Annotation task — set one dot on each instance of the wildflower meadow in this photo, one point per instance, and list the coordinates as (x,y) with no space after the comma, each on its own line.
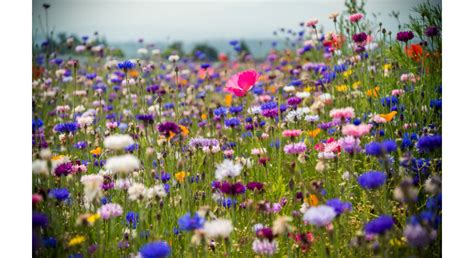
(328,146)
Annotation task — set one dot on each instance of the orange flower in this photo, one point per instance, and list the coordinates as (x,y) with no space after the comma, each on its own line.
(414,51)
(133,73)
(97,151)
(314,133)
(373,92)
(204,116)
(184,130)
(388,117)
(312,200)
(180,176)
(228,100)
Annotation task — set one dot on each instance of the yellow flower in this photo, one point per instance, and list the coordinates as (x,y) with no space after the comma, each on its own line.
(58,157)
(204,116)
(356,85)
(388,117)
(76,240)
(92,218)
(97,151)
(228,100)
(180,176)
(342,88)
(312,200)
(347,73)
(314,133)
(387,66)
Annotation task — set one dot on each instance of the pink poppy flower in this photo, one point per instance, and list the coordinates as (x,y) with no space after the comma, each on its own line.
(239,84)
(356,17)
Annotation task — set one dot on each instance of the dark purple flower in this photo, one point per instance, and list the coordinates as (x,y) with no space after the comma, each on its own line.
(167,128)
(359,37)
(405,36)
(432,31)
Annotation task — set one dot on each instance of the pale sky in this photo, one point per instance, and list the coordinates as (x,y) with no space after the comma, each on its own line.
(193,20)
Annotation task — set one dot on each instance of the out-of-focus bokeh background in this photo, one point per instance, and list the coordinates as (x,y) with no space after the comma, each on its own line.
(214,22)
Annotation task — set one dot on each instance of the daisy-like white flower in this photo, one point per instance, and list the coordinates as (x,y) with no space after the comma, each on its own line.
(122,164)
(218,228)
(118,141)
(228,169)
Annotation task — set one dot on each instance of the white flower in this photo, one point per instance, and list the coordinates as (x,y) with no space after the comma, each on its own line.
(320,216)
(218,228)
(122,164)
(155,109)
(40,167)
(136,191)
(254,110)
(92,188)
(173,58)
(311,118)
(156,191)
(79,108)
(118,141)
(84,121)
(142,51)
(228,169)
(155,52)
(45,154)
(303,95)
(289,88)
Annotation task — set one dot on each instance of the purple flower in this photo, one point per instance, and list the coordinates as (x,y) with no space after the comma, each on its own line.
(405,36)
(167,128)
(359,37)
(432,31)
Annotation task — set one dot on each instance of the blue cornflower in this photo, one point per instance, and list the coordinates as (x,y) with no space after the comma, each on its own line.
(50,242)
(188,222)
(68,127)
(233,42)
(406,141)
(339,206)
(372,179)
(389,101)
(40,219)
(91,76)
(126,65)
(257,90)
(436,103)
(379,225)
(232,122)
(429,143)
(228,202)
(80,145)
(235,109)
(340,68)
(269,105)
(169,105)
(37,123)
(296,83)
(123,127)
(132,218)
(380,148)
(59,194)
(220,111)
(157,249)
(132,147)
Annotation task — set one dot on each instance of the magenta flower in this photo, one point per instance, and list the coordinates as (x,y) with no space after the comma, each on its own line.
(239,84)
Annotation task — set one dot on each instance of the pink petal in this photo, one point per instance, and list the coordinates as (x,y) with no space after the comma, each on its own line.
(247,79)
